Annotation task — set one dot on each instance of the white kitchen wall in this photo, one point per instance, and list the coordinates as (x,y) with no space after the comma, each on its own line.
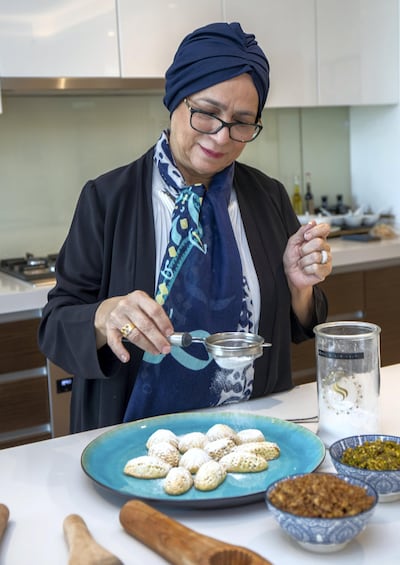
(375,162)
(50,146)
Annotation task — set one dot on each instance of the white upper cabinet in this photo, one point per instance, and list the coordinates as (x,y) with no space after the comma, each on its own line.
(151,31)
(58,38)
(285,29)
(321,52)
(358,51)
(325,52)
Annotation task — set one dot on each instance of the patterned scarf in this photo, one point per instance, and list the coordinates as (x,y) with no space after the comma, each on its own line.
(202,289)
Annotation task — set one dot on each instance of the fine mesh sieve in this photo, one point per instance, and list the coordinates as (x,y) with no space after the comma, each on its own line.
(230,350)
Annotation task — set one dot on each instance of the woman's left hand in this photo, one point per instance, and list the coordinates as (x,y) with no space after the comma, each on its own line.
(307,259)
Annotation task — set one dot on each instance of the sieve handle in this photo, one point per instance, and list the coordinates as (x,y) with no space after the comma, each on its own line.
(182,339)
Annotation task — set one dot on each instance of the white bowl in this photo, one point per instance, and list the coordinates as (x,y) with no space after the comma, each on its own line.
(338,220)
(319,218)
(353,220)
(370,219)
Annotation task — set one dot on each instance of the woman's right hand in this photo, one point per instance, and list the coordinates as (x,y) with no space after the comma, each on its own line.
(150,324)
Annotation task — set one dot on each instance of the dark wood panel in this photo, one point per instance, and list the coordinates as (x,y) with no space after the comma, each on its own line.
(24,404)
(345,293)
(374,294)
(383,308)
(303,362)
(19,348)
(346,301)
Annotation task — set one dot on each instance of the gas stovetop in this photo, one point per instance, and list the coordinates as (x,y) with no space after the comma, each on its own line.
(37,270)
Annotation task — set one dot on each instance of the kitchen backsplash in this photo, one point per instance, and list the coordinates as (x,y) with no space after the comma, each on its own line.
(50,146)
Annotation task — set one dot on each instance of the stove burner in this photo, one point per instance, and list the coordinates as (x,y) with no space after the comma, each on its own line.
(30,268)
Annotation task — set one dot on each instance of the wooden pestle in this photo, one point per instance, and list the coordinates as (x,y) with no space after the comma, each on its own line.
(84,550)
(4,515)
(177,543)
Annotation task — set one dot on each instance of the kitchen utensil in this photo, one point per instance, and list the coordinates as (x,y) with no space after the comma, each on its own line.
(324,212)
(179,544)
(230,350)
(84,550)
(4,515)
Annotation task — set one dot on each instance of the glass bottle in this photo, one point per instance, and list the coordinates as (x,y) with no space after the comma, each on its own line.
(297,201)
(323,209)
(309,197)
(341,208)
(324,202)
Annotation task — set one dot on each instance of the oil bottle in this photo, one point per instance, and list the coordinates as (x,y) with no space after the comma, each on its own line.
(309,197)
(297,201)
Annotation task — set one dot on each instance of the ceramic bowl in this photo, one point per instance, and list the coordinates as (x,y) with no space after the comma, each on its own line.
(386,483)
(337,220)
(319,218)
(370,219)
(322,535)
(353,220)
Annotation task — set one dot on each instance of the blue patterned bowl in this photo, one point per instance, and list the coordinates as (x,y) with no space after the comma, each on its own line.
(322,535)
(386,483)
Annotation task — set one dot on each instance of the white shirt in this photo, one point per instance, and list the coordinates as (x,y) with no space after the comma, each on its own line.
(163,206)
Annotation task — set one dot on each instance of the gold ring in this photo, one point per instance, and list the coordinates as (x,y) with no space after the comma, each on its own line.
(127,329)
(324,257)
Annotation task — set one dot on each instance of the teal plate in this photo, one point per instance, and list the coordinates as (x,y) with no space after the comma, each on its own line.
(103,460)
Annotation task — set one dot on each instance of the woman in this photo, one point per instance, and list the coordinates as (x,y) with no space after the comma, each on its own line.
(185,239)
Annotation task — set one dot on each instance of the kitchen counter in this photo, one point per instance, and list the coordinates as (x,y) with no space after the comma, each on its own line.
(351,255)
(42,483)
(18,296)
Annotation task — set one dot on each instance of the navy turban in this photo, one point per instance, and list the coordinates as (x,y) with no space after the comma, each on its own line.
(212,54)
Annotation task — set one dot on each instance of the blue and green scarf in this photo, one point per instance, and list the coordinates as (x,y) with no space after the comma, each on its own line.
(202,288)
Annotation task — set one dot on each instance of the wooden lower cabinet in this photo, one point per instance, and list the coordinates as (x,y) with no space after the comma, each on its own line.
(19,349)
(370,295)
(24,404)
(382,307)
(24,392)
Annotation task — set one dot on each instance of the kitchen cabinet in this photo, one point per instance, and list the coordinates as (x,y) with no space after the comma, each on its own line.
(382,306)
(58,39)
(370,295)
(325,52)
(149,34)
(285,31)
(24,395)
(358,60)
(34,394)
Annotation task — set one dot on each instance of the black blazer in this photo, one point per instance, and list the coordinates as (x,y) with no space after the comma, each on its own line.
(110,251)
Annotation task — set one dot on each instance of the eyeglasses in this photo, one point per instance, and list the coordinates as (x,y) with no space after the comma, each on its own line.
(205,122)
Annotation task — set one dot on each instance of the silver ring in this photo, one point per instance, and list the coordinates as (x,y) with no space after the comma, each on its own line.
(324,257)
(127,329)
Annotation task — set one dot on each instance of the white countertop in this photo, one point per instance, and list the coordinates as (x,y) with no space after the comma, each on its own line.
(18,296)
(42,483)
(347,254)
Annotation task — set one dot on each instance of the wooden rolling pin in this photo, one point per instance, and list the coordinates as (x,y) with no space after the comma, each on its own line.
(83,549)
(179,544)
(4,515)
